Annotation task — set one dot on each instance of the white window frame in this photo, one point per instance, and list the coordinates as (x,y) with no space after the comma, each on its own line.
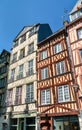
(57,48)
(12,73)
(18,99)
(45,97)
(30,65)
(30,92)
(21,69)
(31,48)
(9,97)
(60,67)
(43,54)
(63,93)
(44,73)
(79,33)
(15,56)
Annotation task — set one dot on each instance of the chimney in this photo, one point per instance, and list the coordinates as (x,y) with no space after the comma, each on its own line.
(65,23)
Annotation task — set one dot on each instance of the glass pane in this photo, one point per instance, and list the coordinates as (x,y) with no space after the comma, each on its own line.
(30,121)
(30,127)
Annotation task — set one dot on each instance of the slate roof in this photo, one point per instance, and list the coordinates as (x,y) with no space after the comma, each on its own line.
(79,3)
(24,30)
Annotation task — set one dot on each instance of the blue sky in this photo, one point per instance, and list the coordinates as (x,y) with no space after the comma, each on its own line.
(15,14)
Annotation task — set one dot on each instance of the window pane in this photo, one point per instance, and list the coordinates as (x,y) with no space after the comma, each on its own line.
(60,67)
(57,48)
(9,97)
(45,97)
(79,32)
(30,48)
(29,92)
(44,54)
(44,73)
(63,93)
(18,95)
(81,53)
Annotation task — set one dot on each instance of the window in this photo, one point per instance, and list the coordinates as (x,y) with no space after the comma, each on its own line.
(32,31)
(29,93)
(18,95)
(20,74)
(75,15)
(22,53)
(30,48)
(2,82)
(23,38)
(14,57)
(45,97)
(81,53)
(57,48)
(16,43)
(9,97)
(44,54)
(31,123)
(3,69)
(60,67)
(44,73)
(30,68)
(63,93)
(79,33)
(3,59)
(12,75)
(13,125)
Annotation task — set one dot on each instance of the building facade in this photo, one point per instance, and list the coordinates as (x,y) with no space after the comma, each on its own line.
(75,40)
(4,65)
(58,108)
(21,110)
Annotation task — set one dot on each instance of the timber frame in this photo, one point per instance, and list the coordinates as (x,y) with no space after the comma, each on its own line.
(54,81)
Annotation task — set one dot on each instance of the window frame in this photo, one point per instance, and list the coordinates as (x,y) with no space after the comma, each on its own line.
(30,65)
(61,98)
(57,48)
(45,97)
(43,54)
(79,35)
(80,51)
(31,48)
(18,98)
(12,73)
(59,66)
(30,92)
(44,73)
(9,97)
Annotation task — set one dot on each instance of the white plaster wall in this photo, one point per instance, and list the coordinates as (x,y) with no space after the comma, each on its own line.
(26,79)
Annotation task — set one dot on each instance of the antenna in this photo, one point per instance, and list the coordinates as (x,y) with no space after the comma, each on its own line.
(64,17)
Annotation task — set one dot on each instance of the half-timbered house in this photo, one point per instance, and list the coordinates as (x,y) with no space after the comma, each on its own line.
(58,107)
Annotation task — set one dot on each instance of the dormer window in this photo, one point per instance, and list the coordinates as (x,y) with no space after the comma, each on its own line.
(15,43)
(32,31)
(75,15)
(23,38)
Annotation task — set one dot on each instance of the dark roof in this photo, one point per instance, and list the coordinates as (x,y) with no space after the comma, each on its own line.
(59,31)
(24,30)
(4,51)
